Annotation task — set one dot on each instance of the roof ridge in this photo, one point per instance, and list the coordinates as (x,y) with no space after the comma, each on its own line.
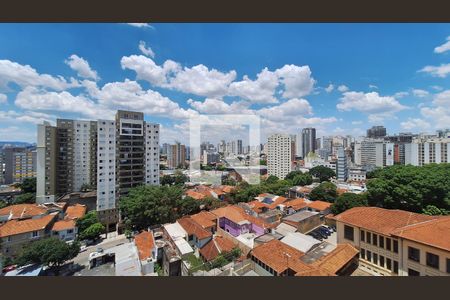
(420,224)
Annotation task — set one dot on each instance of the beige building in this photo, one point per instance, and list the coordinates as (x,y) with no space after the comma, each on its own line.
(396,242)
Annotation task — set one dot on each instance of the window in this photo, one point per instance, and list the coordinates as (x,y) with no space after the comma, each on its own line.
(374,239)
(348,232)
(34,234)
(363,233)
(413,253)
(368,238)
(448,265)
(388,263)
(381,242)
(412,272)
(432,260)
(381,261)
(388,244)
(395,267)
(375,258)
(369,255)
(362,253)
(395,246)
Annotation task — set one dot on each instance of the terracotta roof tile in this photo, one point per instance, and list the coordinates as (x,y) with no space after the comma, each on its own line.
(205,219)
(195,195)
(23,210)
(296,204)
(319,205)
(384,221)
(434,232)
(194,228)
(335,260)
(13,227)
(237,215)
(145,243)
(76,211)
(63,225)
(216,246)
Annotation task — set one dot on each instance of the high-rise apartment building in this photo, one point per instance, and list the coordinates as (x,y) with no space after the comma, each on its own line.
(309,141)
(279,155)
(239,147)
(2,167)
(299,145)
(376,132)
(341,165)
(424,151)
(176,155)
(18,163)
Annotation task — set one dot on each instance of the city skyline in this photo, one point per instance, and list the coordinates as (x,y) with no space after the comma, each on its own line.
(338,78)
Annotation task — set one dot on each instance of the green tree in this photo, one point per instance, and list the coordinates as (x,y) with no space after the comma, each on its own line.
(85,187)
(51,252)
(229,181)
(347,201)
(302,179)
(322,172)
(93,232)
(271,179)
(263,162)
(28,185)
(24,198)
(326,191)
(87,220)
(3,204)
(180,178)
(291,175)
(432,210)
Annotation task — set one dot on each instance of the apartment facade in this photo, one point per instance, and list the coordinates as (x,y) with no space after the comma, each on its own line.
(424,151)
(279,155)
(341,165)
(309,141)
(395,242)
(176,155)
(19,163)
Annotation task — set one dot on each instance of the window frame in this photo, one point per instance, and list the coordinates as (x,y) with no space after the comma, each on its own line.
(413,254)
(346,232)
(428,255)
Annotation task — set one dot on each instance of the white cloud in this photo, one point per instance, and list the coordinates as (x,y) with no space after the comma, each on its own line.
(437,87)
(329,88)
(3,98)
(147,69)
(141,25)
(420,93)
(25,76)
(81,66)
(439,112)
(357,122)
(146,50)
(415,123)
(260,90)
(399,95)
(290,109)
(444,47)
(371,86)
(199,80)
(371,103)
(297,80)
(216,106)
(32,117)
(16,133)
(437,71)
(342,88)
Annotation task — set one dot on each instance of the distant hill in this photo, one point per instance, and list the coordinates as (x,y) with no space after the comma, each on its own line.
(15,144)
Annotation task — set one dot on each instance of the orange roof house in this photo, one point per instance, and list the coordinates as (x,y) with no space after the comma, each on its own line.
(14,227)
(193,228)
(63,225)
(76,211)
(145,243)
(215,247)
(296,204)
(319,205)
(205,219)
(19,211)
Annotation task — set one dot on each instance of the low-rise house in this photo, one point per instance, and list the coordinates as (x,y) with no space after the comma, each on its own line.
(396,242)
(214,247)
(22,211)
(206,220)
(196,236)
(284,229)
(300,241)
(322,207)
(304,221)
(16,233)
(295,205)
(65,230)
(147,251)
(75,212)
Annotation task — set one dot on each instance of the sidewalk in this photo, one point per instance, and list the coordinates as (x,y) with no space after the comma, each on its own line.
(112,236)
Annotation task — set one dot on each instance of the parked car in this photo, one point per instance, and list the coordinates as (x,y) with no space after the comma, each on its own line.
(321,233)
(326,230)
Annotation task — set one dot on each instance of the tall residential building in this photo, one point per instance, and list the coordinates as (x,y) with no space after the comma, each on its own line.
(239,147)
(299,145)
(165,148)
(47,147)
(19,163)
(318,143)
(372,153)
(424,151)
(309,141)
(376,132)
(341,165)
(176,155)
(279,155)
(2,167)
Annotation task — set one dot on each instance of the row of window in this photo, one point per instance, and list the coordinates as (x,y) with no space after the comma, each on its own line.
(379,241)
(379,260)
(432,260)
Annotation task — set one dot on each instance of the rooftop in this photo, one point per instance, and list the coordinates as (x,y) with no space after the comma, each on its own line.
(145,243)
(14,227)
(319,205)
(193,228)
(300,216)
(205,219)
(63,225)
(76,211)
(216,246)
(300,241)
(23,210)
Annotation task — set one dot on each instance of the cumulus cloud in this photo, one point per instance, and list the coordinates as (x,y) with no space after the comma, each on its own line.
(342,88)
(371,86)
(3,98)
(146,50)
(260,90)
(292,108)
(82,67)
(25,76)
(420,93)
(141,25)
(297,80)
(415,123)
(17,133)
(439,112)
(371,103)
(329,88)
(399,95)
(437,71)
(32,117)
(444,47)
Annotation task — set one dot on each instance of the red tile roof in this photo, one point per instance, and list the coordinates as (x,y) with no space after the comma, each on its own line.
(238,215)
(296,204)
(145,243)
(193,228)
(205,219)
(384,221)
(319,205)
(23,210)
(435,233)
(216,246)
(195,195)
(63,225)
(76,211)
(14,227)
(336,259)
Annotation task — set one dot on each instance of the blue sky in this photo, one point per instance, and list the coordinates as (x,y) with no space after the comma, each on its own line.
(339,78)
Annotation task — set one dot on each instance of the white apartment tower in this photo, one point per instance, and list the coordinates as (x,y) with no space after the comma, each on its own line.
(279,155)
(424,151)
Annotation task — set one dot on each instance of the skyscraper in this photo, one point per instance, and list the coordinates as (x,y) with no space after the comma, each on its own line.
(279,155)
(239,147)
(376,132)
(341,165)
(176,155)
(309,141)
(19,163)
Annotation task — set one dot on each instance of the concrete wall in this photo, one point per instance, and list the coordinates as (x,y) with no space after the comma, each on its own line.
(244,248)
(12,247)
(309,223)
(422,265)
